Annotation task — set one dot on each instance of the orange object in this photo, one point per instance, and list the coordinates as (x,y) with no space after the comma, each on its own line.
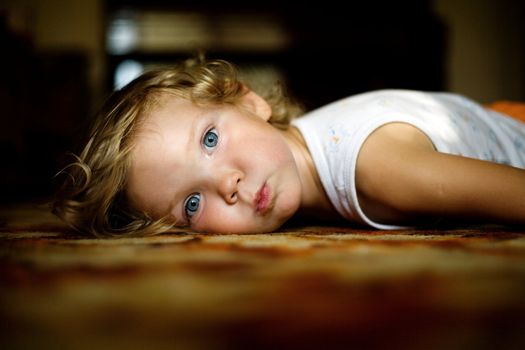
(510,108)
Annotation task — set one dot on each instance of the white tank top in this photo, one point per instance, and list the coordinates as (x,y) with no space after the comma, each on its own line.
(456,125)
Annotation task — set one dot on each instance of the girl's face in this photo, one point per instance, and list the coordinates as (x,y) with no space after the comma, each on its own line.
(221,169)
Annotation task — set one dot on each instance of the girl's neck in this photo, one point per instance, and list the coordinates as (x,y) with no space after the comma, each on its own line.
(314,200)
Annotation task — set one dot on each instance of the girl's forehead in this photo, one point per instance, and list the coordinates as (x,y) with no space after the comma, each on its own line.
(169,102)
(171,107)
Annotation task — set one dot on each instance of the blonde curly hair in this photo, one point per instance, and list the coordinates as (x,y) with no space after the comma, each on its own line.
(92,196)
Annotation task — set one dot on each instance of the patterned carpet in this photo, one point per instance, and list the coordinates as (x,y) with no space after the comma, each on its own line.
(303,288)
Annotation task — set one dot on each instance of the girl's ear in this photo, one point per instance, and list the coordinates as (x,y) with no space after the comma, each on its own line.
(256,104)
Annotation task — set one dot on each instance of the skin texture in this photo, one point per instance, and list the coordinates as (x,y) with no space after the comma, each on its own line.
(172,161)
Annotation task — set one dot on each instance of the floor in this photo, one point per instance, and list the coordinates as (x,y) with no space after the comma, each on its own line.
(302,288)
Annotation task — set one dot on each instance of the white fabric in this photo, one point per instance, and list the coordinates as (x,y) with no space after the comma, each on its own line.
(456,125)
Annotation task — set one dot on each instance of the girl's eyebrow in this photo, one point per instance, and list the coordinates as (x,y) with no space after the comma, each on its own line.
(191,138)
(195,128)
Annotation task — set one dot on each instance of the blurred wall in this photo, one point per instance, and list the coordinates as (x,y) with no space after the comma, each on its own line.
(485,58)
(485,54)
(486,47)
(73,25)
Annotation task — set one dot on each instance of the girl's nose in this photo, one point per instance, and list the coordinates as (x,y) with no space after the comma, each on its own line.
(228,184)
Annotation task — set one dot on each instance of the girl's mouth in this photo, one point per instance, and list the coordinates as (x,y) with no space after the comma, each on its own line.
(263,199)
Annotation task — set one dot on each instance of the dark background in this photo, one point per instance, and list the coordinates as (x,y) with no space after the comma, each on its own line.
(56,71)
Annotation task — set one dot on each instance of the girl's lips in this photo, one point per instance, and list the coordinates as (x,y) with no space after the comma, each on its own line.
(263,199)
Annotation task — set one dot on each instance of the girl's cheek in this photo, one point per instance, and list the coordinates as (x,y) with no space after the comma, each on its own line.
(214,219)
(202,219)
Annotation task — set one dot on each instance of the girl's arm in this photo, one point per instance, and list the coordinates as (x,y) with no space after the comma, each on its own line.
(399,172)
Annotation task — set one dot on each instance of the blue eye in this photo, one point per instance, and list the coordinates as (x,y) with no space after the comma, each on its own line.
(191,206)
(211,138)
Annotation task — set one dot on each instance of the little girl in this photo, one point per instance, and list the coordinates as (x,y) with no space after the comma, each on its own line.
(193,148)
